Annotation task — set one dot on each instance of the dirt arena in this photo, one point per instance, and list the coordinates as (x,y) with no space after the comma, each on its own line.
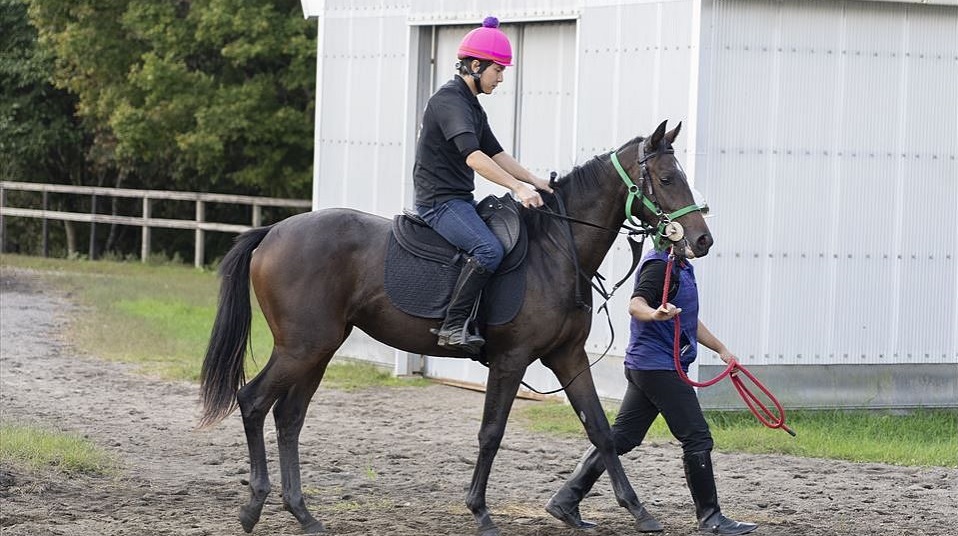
(379,462)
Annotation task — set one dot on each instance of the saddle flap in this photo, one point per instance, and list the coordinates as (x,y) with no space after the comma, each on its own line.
(416,237)
(501,214)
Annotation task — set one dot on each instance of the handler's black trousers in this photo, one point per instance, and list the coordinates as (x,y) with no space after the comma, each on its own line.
(651,392)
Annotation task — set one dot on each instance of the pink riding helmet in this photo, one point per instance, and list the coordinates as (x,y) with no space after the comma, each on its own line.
(487,43)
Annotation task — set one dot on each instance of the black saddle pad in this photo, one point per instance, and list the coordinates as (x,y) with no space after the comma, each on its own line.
(421,270)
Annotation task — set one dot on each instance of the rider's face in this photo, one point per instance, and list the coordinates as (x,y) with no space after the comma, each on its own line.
(490,78)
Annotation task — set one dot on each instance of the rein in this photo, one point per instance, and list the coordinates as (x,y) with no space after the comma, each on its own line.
(758,409)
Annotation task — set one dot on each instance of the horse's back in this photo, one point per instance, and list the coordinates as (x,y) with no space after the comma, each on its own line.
(313,236)
(324,255)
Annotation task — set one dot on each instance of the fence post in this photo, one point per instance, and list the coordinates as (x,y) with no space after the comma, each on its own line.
(46,231)
(93,228)
(199,246)
(145,231)
(257,215)
(3,222)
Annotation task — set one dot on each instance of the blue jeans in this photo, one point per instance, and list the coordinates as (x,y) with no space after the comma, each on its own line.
(456,221)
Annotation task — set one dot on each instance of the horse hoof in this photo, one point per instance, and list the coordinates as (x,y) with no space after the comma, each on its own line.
(644,522)
(489,531)
(248,518)
(314,527)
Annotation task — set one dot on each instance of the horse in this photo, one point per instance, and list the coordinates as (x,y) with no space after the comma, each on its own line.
(317,275)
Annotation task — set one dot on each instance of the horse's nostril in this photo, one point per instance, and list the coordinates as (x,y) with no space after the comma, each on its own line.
(705,241)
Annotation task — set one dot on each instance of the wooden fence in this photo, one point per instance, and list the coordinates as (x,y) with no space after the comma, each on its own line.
(199,225)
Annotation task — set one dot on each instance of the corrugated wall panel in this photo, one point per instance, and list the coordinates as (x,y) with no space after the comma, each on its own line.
(827,151)
(437,12)
(640,55)
(362,115)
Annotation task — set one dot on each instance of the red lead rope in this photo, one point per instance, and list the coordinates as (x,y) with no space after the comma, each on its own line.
(761,412)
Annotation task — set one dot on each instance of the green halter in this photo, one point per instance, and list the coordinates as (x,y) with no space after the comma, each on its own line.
(636,192)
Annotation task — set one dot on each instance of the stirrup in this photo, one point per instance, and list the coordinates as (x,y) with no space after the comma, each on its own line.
(459,339)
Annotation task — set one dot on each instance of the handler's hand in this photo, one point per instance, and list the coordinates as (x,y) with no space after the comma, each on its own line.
(666,311)
(528,197)
(727,356)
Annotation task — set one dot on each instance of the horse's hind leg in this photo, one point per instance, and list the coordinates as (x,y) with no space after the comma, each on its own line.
(290,413)
(255,399)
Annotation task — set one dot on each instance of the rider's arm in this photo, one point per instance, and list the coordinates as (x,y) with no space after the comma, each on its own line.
(490,170)
(514,168)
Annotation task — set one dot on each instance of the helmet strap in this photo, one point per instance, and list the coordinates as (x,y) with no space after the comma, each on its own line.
(466,66)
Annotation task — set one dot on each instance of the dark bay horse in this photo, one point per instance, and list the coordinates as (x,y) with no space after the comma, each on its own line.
(319,274)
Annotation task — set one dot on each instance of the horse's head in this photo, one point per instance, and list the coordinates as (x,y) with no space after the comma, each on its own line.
(660,195)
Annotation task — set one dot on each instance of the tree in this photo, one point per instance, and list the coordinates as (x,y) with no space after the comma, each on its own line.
(201,95)
(41,139)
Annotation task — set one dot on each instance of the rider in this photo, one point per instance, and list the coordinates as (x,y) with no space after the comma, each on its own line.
(655,387)
(455,142)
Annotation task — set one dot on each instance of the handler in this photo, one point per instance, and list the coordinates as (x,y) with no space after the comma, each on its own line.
(655,387)
(454,142)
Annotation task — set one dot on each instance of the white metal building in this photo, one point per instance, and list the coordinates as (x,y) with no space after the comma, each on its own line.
(824,134)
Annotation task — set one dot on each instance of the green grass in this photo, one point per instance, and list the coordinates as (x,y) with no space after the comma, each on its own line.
(158,317)
(350,375)
(40,449)
(920,437)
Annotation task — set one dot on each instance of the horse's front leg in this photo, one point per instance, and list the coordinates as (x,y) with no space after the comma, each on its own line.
(585,401)
(501,387)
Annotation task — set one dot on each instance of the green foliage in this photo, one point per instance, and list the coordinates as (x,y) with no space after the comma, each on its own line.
(40,139)
(209,94)
(206,95)
(920,437)
(37,448)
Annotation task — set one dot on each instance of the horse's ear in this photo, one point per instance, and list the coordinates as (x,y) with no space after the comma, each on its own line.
(672,134)
(656,138)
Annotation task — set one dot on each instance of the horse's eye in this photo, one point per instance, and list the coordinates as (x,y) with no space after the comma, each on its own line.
(665,179)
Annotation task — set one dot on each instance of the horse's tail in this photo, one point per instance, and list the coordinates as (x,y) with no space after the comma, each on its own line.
(222,374)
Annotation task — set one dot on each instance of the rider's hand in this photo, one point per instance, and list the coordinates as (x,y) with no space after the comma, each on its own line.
(666,311)
(528,197)
(541,184)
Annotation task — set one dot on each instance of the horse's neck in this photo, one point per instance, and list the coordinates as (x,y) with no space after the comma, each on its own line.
(605,210)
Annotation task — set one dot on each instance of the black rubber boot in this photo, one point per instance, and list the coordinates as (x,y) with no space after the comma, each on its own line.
(701,481)
(564,505)
(455,333)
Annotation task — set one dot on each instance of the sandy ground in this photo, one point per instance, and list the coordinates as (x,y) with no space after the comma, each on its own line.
(376,461)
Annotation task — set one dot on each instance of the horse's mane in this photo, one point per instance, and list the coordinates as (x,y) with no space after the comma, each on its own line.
(578,183)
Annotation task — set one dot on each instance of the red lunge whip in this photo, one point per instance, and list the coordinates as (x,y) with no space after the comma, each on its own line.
(733,370)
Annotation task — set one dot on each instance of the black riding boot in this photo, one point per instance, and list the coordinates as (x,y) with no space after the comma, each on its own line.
(564,505)
(454,332)
(701,481)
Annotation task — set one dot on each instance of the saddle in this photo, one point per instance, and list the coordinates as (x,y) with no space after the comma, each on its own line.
(422,267)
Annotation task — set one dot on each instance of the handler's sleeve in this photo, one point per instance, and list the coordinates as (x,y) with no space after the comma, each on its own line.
(649,282)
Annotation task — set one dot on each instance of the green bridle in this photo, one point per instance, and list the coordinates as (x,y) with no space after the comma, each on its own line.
(635,192)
